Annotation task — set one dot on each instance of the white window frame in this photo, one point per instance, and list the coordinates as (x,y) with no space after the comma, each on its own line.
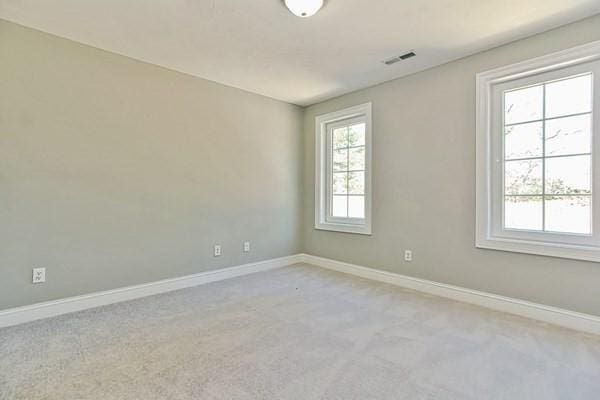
(323,124)
(490,233)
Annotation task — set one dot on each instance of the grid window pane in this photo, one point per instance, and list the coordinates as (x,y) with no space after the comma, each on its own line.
(523,212)
(524,105)
(340,138)
(569,214)
(523,177)
(559,145)
(356,206)
(570,135)
(569,96)
(568,175)
(340,183)
(340,160)
(356,183)
(348,171)
(339,206)
(523,140)
(357,159)
(356,135)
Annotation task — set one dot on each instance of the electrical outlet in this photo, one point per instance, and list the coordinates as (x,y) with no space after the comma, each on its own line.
(217,250)
(39,275)
(246,247)
(408,255)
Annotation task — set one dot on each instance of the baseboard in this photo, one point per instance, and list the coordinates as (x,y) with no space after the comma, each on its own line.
(19,315)
(553,315)
(557,316)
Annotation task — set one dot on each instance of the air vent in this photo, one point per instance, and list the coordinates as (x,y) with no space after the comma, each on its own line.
(394,60)
(407,55)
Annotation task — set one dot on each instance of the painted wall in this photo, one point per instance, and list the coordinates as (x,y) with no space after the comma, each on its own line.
(424,184)
(115,172)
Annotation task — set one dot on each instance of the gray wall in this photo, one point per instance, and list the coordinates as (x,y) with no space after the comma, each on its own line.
(114,172)
(424,184)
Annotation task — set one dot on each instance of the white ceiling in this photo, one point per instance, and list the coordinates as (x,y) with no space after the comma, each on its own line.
(257,45)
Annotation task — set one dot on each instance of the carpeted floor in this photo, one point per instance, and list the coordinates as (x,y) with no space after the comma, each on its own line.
(295,333)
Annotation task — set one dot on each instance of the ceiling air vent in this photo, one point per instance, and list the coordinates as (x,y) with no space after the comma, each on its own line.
(407,55)
(394,60)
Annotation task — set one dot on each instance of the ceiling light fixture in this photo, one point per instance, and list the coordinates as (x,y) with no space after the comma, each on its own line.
(304,8)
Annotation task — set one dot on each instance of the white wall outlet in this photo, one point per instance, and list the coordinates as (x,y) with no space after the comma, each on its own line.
(217,250)
(246,247)
(408,255)
(39,275)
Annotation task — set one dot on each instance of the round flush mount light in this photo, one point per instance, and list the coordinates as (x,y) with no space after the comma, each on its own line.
(304,8)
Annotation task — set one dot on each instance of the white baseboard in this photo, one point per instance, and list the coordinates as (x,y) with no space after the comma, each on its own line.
(557,316)
(553,315)
(19,315)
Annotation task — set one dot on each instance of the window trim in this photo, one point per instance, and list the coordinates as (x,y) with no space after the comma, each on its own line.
(322,178)
(487,235)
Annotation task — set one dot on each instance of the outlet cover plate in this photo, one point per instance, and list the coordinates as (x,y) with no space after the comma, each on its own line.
(39,275)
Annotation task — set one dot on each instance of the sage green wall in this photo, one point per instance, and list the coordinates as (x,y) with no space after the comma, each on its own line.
(114,172)
(424,184)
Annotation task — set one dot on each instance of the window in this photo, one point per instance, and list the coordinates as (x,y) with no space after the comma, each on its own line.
(537,155)
(343,170)
(548,156)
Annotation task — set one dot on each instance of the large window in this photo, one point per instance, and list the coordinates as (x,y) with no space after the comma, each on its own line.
(537,155)
(343,170)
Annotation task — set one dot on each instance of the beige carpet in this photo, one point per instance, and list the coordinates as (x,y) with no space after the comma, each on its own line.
(296,333)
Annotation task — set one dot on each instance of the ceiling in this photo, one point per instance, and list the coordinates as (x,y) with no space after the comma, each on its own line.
(257,45)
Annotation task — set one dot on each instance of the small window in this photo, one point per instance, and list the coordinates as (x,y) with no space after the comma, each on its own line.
(343,183)
(537,156)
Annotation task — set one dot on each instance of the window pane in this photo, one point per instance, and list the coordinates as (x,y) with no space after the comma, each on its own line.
(340,183)
(357,159)
(340,160)
(356,206)
(340,138)
(523,177)
(569,135)
(568,175)
(523,212)
(339,206)
(356,183)
(569,96)
(523,105)
(356,136)
(524,140)
(569,214)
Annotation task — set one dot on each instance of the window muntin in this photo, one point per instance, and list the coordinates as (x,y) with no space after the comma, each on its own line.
(343,170)
(548,156)
(347,155)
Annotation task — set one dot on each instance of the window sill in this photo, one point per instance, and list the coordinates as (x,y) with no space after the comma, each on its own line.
(561,250)
(345,228)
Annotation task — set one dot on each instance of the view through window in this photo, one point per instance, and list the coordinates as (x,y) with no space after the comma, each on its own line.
(548,156)
(348,171)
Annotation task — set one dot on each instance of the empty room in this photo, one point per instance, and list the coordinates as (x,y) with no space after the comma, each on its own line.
(299,199)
